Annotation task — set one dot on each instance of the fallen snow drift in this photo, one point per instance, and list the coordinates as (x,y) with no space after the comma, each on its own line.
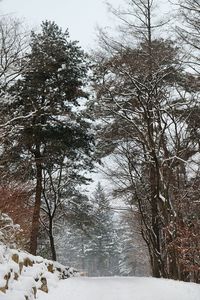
(22,275)
(125,288)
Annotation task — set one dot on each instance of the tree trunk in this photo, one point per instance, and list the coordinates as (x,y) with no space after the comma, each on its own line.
(52,243)
(36,212)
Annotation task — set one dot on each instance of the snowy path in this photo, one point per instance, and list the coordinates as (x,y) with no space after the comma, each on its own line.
(116,288)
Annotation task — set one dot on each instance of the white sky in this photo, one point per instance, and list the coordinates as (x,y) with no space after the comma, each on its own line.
(80,16)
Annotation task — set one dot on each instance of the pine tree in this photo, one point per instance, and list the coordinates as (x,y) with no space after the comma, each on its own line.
(73,229)
(133,254)
(43,112)
(101,249)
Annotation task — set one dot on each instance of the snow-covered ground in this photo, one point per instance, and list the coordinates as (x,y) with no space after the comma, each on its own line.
(22,275)
(125,288)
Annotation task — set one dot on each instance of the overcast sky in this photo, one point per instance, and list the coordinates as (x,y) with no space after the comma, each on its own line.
(80,16)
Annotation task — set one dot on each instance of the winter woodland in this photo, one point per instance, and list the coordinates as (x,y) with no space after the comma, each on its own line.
(130,110)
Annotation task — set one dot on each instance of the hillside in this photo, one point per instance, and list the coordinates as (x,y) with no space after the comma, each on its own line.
(22,275)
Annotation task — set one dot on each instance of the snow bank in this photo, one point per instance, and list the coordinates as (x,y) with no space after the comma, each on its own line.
(22,275)
(125,288)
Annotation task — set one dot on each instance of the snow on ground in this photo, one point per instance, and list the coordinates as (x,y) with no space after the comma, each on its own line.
(124,288)
(22,275)
(27,277)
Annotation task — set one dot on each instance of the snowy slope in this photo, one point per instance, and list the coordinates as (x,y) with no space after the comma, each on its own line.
(22,275)
(126,288)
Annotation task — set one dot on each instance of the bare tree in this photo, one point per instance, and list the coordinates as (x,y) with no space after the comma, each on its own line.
(56,182)
(13,47)
(140,92)
(13,44)
(189,31)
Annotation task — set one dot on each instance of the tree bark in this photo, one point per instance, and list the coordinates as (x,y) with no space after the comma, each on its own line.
(36,212)
(52,243)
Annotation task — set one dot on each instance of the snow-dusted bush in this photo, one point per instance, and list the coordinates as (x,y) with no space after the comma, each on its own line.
(10,233)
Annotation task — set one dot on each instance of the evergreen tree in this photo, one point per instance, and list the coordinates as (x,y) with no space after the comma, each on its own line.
(88,238)
(133,254)
(73,229)
(67,219)
(44,112)
(101,249)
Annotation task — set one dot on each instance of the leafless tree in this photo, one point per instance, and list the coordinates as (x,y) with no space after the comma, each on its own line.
(140,92)
(13,44)
(55,182)
(189,31)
